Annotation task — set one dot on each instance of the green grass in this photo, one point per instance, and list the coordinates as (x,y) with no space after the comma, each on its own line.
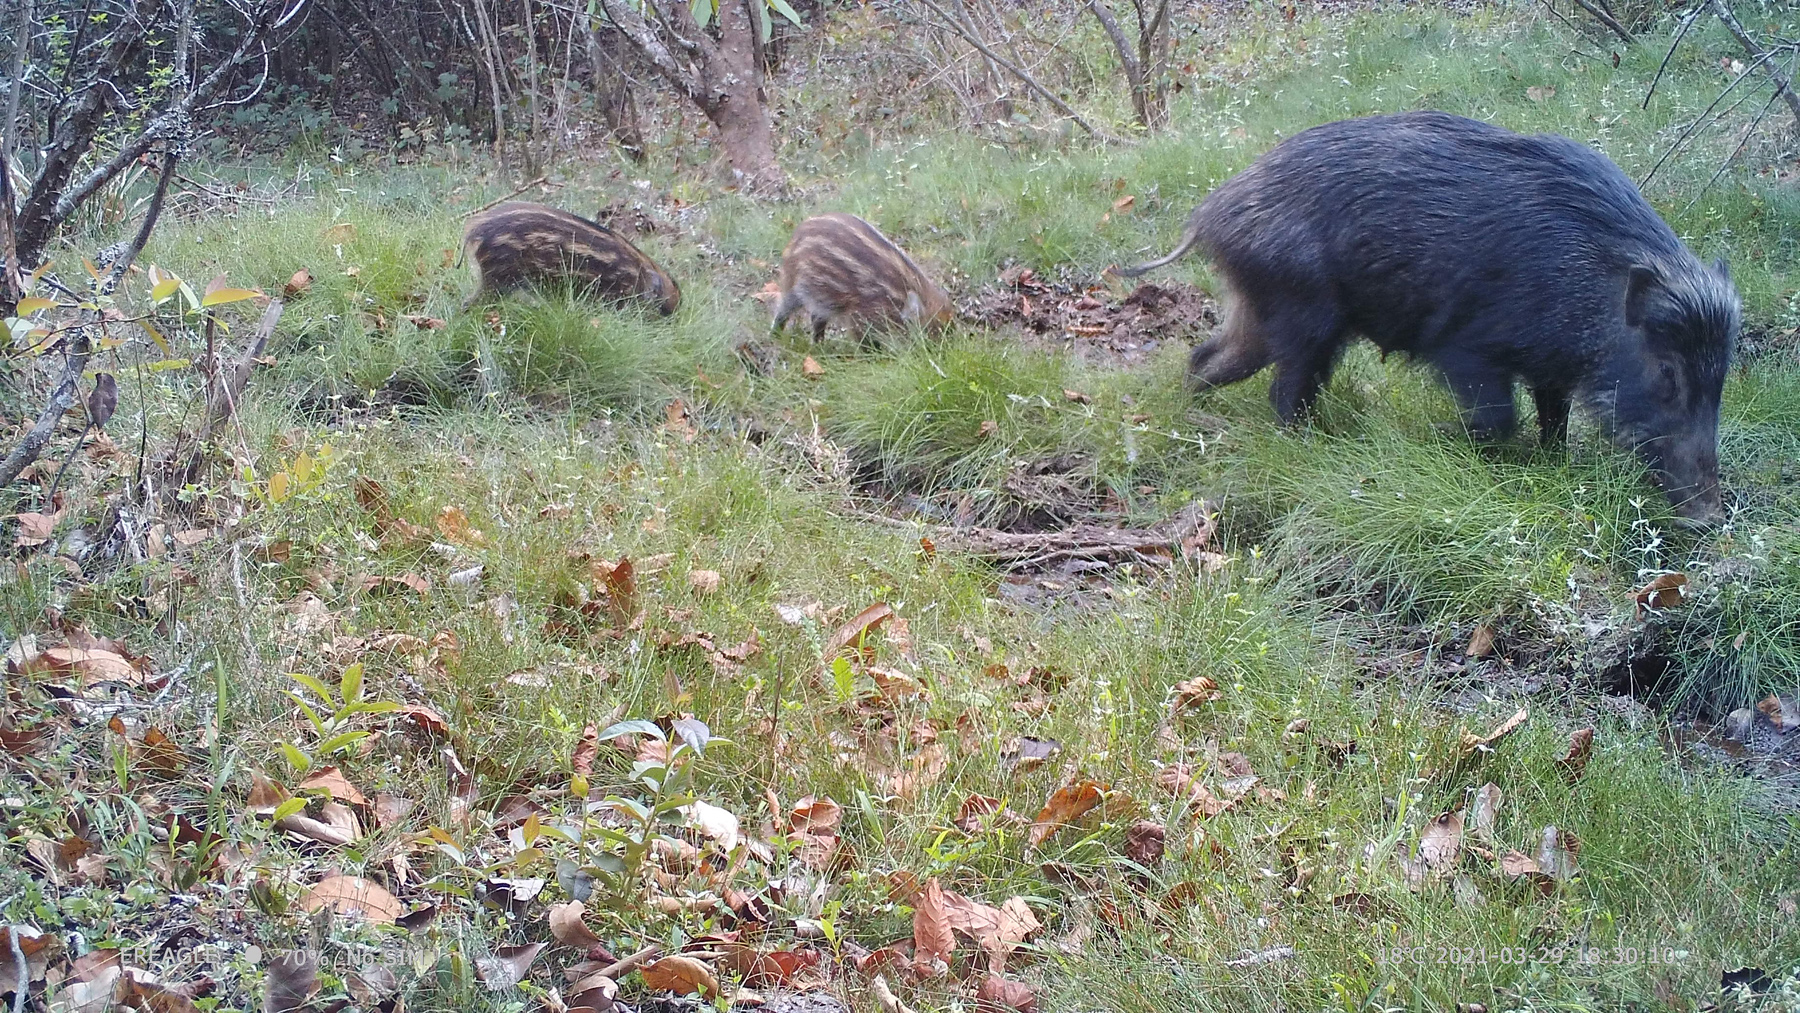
(1376,531)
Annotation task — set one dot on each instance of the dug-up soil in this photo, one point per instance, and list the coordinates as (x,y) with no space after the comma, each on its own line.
(1098,323)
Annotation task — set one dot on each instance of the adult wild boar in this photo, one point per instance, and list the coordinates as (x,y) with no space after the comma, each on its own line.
(840,269)
(520,244)
(1491,255)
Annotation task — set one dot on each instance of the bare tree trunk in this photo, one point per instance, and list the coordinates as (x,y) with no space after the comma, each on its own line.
(1145,68)
(613,94)
(741,111)
(1153,63)
(720,77)
(21,45)
(535,129)
(491,59)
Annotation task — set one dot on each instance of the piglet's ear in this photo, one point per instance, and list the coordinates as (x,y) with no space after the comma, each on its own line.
(1638,286)
(914,310)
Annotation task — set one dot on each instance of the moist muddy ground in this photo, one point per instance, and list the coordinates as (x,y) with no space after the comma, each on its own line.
(1100,323)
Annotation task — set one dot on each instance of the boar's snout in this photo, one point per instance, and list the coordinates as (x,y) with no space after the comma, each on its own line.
(1689,473)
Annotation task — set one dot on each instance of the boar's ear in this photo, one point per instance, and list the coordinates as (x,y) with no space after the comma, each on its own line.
(1637,292)
(1722,269)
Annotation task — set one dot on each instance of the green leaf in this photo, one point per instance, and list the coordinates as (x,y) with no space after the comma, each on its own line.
(342,741)
(637,727)
(163,365)
(842,675)
(370,707)
(312,716)
(164,289)
(289,808)
(187,292)
(219,297)
(350,687)
(782,8)
(31,304)
(156,336)
(295,758)
(703,12)
(313,684)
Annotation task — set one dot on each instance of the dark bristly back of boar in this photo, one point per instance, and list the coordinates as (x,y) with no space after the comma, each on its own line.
(840,269)
(518,245)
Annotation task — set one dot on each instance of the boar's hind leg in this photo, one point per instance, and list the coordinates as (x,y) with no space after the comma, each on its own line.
(1304,339)
(1235,352)
(1552,415)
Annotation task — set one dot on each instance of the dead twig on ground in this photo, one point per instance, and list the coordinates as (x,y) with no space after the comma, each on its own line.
(1186,530)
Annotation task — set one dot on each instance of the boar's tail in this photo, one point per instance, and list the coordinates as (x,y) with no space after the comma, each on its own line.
(1189,238)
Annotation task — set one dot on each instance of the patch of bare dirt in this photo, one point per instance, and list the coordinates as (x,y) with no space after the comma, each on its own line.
(1091,320)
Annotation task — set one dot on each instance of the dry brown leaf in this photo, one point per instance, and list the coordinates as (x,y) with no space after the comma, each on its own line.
(332,781)
(35,528)
(1581,749)
(265,795)
(1556,854)
(1540,93)
(1178,779)
(1472,744)
(1194,692)
(336,827)
(811,369)
(1485,813)
(681,975)
(884,995)
(704,581)
(677,423)
(975,811)
(454,525)
(92,664)
(1440,842)
(865,622)
(1515,864)
(814,822)
(1144,843)
(508,966)
(1076,396)
(1065,805)
(391,810)
(1481,642)
(350,895)
(581,761)
(933,938)
(297,284)
(568,927)
(289,980)
(1665,592)
(1000,995)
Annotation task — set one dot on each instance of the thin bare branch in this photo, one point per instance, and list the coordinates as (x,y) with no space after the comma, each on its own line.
(1783,87)
(950,23)
(1601,15)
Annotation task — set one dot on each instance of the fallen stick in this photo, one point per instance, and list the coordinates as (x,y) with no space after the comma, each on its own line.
(1190,527)
(501,200)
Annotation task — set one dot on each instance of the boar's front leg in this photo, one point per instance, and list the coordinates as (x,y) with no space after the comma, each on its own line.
(1485,395)
(1552,414)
